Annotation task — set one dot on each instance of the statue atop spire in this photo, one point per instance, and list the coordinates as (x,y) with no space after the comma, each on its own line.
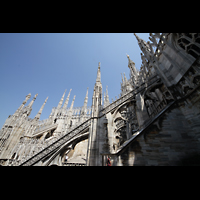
(98,74)
(31,103)
(133,70)
(27,98)
(27,110)
(23,103)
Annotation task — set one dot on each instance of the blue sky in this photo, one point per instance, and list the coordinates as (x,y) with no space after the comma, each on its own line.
(49,63)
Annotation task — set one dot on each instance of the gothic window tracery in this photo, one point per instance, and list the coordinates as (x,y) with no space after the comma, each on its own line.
(189,42)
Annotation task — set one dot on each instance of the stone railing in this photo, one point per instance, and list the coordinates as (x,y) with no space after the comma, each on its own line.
(56,144)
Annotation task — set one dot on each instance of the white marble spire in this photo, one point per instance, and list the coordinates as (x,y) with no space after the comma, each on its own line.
(31,103)
(61,101)
(98,74)
(72,104)
(37,117)
(106,101)
(84,108)
(24,102)
(67,100)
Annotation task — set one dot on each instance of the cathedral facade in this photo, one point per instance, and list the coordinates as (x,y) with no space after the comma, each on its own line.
(155,120)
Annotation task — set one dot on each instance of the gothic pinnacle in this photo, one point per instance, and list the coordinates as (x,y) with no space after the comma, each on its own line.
(27,98)
(86,97)
(138,39)
(31,103)
(142,44)
(67,100)
(98,74)
(85,103)
(37,117)
(131,66)
(72,104)
(106,98)
(122,79)
(125,79)
(61,100)
(24,102)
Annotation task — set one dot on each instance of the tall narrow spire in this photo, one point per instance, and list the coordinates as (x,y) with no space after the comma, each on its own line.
(72,104)
(67,100)
(142,44)
(129,60)
(133,70)
(122,79)
(37,117)
(23,103)
(106,101)
(31,103)
(106,91)
(98,74)
(86,98)
(85,103)
(27,98)
(61,100)
(125,79)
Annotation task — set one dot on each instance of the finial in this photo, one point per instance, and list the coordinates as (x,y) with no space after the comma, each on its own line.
(98,79)
(40,111)
(99,65)
(29,95)
(85,102)
(31,103)
(27,98)
(87,93)
(125,79)
(72,104)
(61,100)
(67,100)
(136,37)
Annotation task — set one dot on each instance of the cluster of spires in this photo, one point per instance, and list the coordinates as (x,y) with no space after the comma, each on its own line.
(146,48)
(72,104)
(148,56)
(37,117)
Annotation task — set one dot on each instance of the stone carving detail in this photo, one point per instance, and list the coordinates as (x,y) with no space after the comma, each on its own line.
(190,42)
(157,97)
(190,80)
